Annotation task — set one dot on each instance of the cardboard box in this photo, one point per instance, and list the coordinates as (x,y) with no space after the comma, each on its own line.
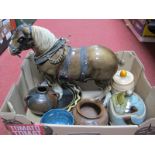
(19,120)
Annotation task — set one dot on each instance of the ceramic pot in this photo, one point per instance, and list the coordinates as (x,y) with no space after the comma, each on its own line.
(88,112)
(123,81)
(126,110)
(41,99)
(58,116)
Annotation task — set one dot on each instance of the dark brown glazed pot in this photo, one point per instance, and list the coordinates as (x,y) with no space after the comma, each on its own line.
(89,112)
(41,99)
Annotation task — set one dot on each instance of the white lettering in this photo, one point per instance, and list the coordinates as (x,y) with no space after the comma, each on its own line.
(21,128)
(37,128)
(35,132)
(25,130)
(17,132)
(12,127)
(29,128)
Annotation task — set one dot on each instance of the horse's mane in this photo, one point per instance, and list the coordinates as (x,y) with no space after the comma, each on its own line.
(43,38)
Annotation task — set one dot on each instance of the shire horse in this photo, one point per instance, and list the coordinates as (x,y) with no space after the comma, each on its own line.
(61,62)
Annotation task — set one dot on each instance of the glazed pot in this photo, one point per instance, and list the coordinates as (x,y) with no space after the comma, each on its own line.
(126,110)
(123,81)
(58,116)
(88,112)
(41,99)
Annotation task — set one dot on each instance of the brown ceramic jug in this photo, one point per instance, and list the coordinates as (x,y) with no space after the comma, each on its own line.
(41,99)
(88,112)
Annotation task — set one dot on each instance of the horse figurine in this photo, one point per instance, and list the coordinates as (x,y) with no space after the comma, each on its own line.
(61,62)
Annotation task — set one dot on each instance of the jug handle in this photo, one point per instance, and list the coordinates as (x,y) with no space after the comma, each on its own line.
(55,94)
(27,98)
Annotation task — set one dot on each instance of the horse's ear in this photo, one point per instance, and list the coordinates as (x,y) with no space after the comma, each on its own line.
(23,22)
(26,30)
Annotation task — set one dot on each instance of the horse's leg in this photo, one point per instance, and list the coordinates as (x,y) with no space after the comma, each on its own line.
(103,84)
(54,83)
(105,87)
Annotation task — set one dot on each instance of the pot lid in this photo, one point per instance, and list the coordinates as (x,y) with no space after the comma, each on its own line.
(123,77)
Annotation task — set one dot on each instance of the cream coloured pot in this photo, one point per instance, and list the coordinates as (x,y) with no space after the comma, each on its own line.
(123,81)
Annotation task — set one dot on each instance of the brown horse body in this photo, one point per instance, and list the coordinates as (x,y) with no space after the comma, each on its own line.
(101,65)
(93,62)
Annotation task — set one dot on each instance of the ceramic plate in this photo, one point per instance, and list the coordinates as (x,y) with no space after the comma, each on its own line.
(70,95)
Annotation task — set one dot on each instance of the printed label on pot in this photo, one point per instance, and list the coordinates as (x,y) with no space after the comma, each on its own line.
(25,129)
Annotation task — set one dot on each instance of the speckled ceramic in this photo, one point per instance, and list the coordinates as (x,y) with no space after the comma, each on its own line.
(41,99)
(58,116)
(88,112)
(126,110)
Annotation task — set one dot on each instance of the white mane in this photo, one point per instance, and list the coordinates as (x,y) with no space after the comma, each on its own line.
(43,38)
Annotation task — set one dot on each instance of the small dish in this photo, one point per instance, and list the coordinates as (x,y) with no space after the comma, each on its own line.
(57,116)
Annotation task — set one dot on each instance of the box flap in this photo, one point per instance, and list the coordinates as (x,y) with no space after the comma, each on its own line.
(4,107)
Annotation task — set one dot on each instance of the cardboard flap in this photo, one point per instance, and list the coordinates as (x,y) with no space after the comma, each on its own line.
(16,101)
(91,130)
(22,88)
(23,119)
(8,115)
(147,128)
(26,71)
(143,87)
(4,107)
(125,56)
(148,122)
(136,69)
(30,68)
(36,74)
(150,103)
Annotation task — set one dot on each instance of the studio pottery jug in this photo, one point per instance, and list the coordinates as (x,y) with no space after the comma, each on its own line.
(126,109)
(88,112)
(41,99)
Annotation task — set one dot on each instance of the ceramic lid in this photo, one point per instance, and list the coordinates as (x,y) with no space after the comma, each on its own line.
(123,77)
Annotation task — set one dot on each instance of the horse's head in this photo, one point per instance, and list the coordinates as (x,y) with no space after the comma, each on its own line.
(21,39)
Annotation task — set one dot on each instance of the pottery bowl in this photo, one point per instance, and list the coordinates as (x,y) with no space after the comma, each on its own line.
(88,112)
(58,116)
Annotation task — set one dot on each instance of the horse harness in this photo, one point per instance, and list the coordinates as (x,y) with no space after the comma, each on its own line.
(63,73)
(50,53)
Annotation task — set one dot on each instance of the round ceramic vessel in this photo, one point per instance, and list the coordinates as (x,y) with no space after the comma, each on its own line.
(88,112)
(58,116)
(123,83)
(132,110)
(41,99)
